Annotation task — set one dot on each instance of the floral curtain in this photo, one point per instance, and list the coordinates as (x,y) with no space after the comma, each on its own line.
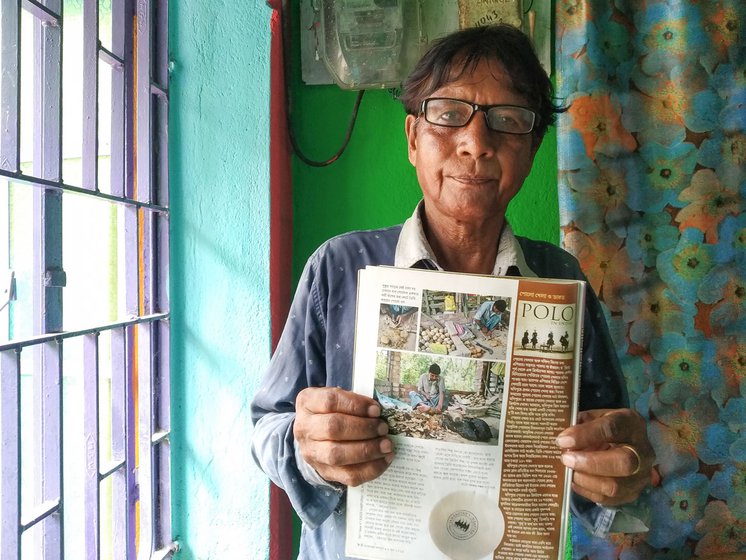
(652,173)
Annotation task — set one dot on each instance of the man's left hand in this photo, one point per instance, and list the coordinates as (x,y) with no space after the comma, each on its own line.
(610,455)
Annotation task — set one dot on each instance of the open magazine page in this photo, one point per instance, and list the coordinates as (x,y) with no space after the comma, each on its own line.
(476,474)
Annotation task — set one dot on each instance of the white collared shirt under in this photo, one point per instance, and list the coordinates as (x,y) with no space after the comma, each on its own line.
(414,247)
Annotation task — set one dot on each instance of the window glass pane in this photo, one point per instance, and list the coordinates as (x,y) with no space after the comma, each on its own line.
(112,425)
(28,71)
(74,452)
(5,277)
(106,528)
(72,79)
(160,151)
(163,492)
(32,540)
(106,456)
(29,474)
(90,253)
(104,127)
(20,234)
(72,92)
(104,24)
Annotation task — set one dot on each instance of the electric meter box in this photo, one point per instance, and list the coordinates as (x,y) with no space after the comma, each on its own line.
(371,44)
(366,42)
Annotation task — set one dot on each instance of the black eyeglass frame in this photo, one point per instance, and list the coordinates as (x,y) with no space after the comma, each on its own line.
(477,107)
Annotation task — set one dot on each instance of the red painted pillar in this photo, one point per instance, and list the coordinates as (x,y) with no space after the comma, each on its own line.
(280,250)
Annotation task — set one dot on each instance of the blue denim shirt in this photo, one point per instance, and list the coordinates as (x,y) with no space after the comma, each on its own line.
(315,350)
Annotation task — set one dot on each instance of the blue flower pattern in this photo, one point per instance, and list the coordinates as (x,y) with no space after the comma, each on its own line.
(661,128)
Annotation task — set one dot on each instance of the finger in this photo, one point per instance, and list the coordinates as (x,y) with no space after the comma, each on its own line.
(325,454)
(337,427)
(355,475)
(617,462)
(596,429)
(609,490)
(322,400)
(601,498)
(589,415)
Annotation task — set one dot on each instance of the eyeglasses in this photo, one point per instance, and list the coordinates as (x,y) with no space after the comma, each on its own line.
(443,111)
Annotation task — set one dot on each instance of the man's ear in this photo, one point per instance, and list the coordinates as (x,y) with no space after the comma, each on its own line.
(535,145)
(410,129)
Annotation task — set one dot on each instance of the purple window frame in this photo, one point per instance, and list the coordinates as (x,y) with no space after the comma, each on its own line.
(140,471)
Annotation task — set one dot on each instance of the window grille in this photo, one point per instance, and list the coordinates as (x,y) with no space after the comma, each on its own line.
(84,311)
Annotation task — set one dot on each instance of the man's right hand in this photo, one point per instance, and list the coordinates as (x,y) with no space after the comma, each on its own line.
(341,435)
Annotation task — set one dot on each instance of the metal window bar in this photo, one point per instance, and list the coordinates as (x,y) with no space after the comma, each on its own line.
(47,288)
(145,356)
(160,101)
(161,443)
(63,187)
(48,12)
(121,136)
(10,453)
(151,440)
(122,485)
(90,94)
(151,186)
(10,86)
(48,449)
(139,183)
(143,82)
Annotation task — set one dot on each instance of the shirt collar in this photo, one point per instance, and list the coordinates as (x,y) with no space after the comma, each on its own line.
(413,249)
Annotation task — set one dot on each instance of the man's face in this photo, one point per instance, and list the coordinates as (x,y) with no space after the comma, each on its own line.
(470,173)
(434,376)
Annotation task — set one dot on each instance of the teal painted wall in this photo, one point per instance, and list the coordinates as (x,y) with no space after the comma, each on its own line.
(219,168)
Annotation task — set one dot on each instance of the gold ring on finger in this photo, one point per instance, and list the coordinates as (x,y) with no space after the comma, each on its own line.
(636,454)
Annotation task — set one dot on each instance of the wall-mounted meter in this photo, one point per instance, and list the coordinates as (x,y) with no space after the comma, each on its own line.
(366,44)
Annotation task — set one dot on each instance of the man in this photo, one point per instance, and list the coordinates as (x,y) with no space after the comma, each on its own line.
(478,104)
(430,395)
(492,315)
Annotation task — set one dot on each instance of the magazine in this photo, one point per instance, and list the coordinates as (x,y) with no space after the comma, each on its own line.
(480,476)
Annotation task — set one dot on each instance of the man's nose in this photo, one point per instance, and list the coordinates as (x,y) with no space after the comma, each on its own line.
(477,140)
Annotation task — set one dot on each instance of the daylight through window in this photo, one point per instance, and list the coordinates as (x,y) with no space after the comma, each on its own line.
(84,311)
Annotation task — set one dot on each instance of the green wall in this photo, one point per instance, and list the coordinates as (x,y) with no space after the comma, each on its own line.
(220,337)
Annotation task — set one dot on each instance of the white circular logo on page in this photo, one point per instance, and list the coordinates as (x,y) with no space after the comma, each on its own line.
(462,525)
(466,525)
